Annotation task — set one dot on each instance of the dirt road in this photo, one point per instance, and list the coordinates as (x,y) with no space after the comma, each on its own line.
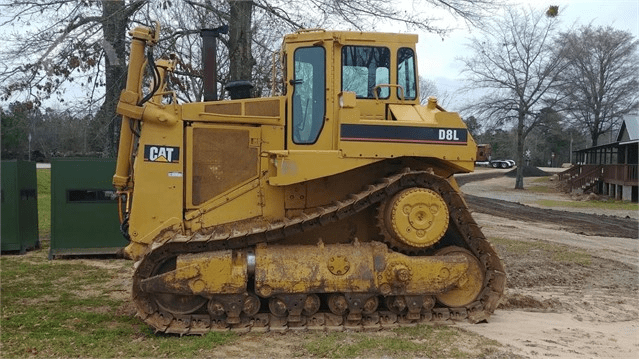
(584,303)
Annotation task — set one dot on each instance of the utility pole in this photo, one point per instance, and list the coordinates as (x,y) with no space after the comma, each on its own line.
(571,148)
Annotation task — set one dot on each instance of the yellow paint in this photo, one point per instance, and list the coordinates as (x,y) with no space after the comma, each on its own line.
(418,217)
(364,267)
(206,274)
(299,166)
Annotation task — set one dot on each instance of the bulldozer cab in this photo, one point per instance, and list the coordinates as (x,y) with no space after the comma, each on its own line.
(334,78)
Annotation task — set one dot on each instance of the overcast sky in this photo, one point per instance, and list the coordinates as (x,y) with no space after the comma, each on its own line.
(437,58)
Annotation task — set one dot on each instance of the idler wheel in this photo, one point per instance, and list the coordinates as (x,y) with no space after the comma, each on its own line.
(415,218)
(469,286)
(179,304)
(175,303)
(370,305)
(216,309)
(251,305)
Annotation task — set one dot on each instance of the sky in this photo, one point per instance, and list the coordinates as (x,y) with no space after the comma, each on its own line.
(438,59)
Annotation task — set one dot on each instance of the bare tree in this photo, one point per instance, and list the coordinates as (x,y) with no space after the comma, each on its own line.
(53,46)
(601,82)
(517,63)
(59,44)
(427,88)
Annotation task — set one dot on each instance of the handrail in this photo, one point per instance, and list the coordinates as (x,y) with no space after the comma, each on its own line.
(589,174)
(582,176)
(569,173)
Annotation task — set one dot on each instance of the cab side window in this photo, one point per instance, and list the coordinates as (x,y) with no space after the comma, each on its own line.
(363,68)
(308,94)
(406,73)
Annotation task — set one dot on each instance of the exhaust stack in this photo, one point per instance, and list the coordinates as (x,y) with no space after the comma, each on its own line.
(209,60)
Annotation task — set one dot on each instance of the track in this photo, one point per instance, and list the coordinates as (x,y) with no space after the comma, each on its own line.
(253,233)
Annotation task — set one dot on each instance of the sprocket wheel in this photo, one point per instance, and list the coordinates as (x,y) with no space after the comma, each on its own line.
(414,219)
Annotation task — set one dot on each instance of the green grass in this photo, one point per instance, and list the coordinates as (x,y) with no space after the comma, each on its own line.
(431,341)
(556,252)
(544,179)
(44,202)
(540,185)
(541,189)
(599,204)
(68,309)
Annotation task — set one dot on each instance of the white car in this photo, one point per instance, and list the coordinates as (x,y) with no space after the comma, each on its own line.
(502,163)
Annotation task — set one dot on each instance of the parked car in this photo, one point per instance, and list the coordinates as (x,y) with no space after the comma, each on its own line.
(502,163)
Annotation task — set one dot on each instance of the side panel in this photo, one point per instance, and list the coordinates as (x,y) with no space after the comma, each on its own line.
(447,139)
(158,178)
(222,158)
(222,180)
(84,207)
(10,237)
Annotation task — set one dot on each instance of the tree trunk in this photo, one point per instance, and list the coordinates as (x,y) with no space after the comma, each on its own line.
(594,135)
(241,59)
(114,24)
(519,179)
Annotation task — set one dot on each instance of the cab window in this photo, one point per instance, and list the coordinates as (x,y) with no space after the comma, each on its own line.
(365,67)
(308,94)
(406,73)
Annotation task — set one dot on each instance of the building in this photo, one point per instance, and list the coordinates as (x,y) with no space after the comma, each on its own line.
(609,169)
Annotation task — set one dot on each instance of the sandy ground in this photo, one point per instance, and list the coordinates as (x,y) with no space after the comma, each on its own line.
(562,311)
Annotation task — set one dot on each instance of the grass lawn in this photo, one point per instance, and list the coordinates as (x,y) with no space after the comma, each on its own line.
(44,202)
(70,308)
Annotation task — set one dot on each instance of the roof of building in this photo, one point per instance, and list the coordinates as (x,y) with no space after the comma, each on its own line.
(629,131)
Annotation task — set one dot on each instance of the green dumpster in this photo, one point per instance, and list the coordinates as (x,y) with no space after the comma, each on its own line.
(84,216)
(19,206)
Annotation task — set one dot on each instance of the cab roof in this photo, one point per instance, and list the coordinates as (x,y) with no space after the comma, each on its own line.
(350,37)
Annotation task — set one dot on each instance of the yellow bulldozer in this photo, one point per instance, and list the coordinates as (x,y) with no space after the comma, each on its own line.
(333,205)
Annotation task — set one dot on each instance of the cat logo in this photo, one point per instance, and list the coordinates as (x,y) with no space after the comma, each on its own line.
(167,154)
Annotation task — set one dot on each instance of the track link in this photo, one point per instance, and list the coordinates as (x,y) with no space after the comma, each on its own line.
(171,244)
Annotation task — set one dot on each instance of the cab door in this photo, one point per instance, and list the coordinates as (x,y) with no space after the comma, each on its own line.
(308,127)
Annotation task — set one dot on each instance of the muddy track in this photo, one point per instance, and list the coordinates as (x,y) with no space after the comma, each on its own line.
(575,222)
